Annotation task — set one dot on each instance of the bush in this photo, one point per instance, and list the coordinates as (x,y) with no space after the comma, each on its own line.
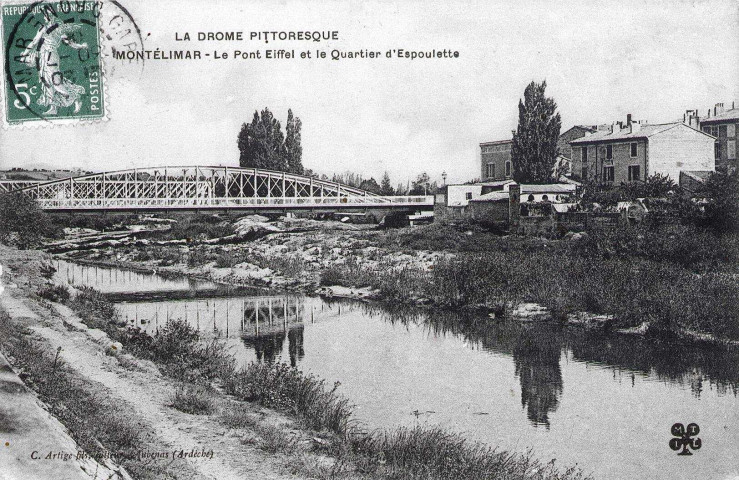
(22,222)
(55,293)
(193,399)
(95,310)
(286,388)
(178,350)
(721,192)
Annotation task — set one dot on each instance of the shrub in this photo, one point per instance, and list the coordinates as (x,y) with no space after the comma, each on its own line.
(177,348)
(95,310)
(286,388)
(197,257)
(721,192)
(193,399)
(55,293)
(22,222)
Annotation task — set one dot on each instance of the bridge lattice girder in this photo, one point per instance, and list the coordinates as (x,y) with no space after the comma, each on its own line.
(203,188)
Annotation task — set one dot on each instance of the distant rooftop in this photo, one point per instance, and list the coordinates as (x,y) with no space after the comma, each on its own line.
(641,131)
(496,142)
(732,114)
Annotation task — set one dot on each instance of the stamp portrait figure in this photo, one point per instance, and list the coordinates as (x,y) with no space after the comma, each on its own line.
(43,52)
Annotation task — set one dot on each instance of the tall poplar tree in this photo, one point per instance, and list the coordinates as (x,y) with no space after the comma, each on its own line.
(534,151)
(293,149)
(386,187)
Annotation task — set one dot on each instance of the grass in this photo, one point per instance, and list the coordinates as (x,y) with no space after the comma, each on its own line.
(287,389)
(193,399)
(54,293)
(101,427)
(433,453)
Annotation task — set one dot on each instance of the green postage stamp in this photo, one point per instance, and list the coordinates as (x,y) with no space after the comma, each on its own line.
(52,63)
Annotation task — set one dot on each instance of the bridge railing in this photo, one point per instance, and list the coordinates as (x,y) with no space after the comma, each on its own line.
(232,202)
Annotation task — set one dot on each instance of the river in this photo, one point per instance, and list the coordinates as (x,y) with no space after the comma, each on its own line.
(602,401)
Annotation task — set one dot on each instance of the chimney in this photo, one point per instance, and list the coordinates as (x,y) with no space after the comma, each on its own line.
(615,128)
(628,119)
(718,109)
(634,127)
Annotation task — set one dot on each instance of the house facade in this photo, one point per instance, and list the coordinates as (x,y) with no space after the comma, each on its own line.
(723,125)
(495,160)
(495,157)
(637,151)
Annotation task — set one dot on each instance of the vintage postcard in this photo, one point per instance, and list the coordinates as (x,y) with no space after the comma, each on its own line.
(369,239)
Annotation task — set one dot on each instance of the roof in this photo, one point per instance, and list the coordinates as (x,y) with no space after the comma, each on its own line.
(550,188)
(491,197)
(646,131)
(496,142)
(588,128)
(732,114)
(698,175)
(497,183)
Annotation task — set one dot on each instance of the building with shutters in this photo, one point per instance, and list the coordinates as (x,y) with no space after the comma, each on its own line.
(723,125)
(638,150)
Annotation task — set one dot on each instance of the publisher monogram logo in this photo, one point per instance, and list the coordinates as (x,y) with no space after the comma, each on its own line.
(683,438)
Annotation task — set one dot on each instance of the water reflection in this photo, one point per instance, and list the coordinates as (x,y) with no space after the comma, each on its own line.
(111,280)
(536,356)
(537,350)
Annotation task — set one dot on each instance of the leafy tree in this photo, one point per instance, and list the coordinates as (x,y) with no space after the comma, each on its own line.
(534,151)
(22,222)
(263,145)
(385,187)
(293,149)
(421,185)
(370,185)
(721,196)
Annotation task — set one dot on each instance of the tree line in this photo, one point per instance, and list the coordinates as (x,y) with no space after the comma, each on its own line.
(262,144)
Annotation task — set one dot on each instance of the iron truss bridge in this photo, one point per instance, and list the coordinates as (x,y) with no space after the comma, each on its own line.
(208,188)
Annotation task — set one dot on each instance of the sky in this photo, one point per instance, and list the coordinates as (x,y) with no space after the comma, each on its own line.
(601,60)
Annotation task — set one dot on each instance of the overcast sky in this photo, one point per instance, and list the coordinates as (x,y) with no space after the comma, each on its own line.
(651,59)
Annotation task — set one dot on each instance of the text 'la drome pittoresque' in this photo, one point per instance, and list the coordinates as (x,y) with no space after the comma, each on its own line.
(267,36)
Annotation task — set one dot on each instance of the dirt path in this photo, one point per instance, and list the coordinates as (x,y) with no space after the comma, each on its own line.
(148,393)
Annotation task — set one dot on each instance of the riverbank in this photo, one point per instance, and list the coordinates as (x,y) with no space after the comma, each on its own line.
(669,282)
(220,411)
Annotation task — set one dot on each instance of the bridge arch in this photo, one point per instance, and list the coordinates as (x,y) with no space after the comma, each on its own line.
(203,187)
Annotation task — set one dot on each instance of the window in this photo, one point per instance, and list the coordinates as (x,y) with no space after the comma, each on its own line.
(722,131)
(707,129)
(731,149)
(634,149)
(609,152)
(584,172)
(717,150)
(531,198)
(584,154)
(490,171)
(468,195)
(608,173)
(634,173)
(508,169)
(731,130)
